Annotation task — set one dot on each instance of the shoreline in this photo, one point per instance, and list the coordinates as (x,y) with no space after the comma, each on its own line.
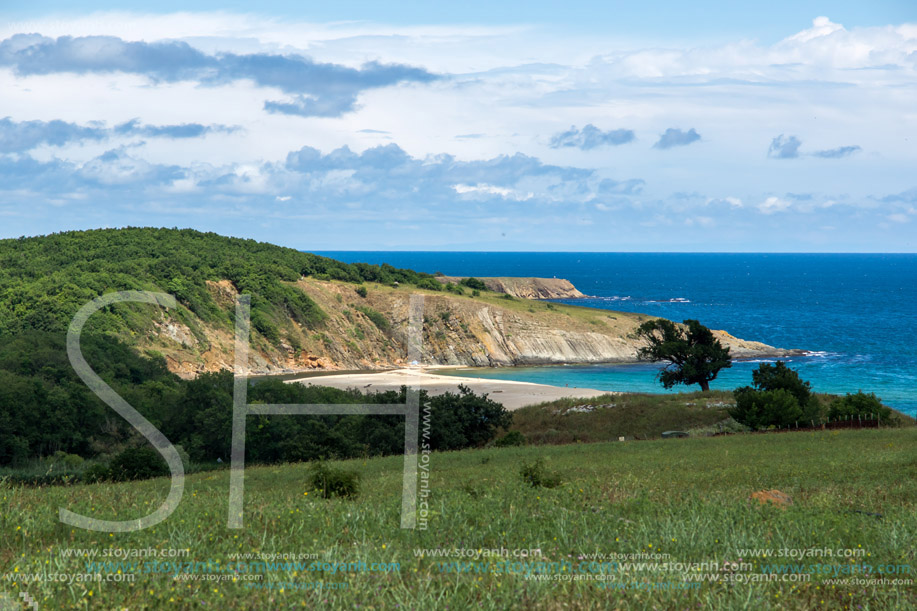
(511,394)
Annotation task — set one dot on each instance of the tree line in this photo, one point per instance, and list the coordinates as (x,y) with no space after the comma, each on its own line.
(46,409)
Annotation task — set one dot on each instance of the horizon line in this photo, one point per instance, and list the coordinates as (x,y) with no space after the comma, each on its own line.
(612,252)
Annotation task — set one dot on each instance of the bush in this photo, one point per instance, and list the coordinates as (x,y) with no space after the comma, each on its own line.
(464,419)
(96,473)
(430,284)
(859,405)
(137,463)
(474,283)
(537,475)
(779,376)
(475,293)
(68,461)
(760,409)
(330,482)
(513,438)
(779,398)
(376,317)
(361,291)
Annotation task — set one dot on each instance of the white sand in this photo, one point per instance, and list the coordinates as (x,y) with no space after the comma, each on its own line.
(512,395)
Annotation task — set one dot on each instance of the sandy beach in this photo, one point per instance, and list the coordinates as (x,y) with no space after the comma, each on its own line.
(512,395)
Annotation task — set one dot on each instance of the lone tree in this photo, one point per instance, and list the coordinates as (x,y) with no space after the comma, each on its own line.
(693,354)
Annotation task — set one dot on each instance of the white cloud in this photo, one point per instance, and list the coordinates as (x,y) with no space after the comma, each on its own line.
(773,204)
(493,190)
(821,26)
(513,88)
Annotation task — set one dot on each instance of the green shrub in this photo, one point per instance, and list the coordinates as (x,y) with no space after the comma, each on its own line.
(429,284)
(361,291)
(96,473)
(779,398)
(68,461)
(376,317)
(859,405)
(330,482)
(137,463)
(508,297)
(537,475)
(474,283)
(513,438)
(760,409)
(779,376)
(475,293)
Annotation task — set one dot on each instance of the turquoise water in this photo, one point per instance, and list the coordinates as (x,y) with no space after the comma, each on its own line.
(856,312)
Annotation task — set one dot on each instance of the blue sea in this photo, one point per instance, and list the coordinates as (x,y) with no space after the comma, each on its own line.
(856,312)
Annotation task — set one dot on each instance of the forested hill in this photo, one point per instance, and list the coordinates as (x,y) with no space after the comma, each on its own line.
(44,280)
(308,312)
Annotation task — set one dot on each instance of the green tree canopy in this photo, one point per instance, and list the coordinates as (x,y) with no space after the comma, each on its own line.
(693,354)
(778,376)
(778,397)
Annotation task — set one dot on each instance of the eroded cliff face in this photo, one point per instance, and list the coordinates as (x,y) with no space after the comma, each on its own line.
(463,331)
(526,288)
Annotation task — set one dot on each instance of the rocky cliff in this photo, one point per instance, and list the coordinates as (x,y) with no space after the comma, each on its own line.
(370,333)
(525,288)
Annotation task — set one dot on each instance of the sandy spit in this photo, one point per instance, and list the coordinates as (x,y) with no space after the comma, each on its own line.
(512,395)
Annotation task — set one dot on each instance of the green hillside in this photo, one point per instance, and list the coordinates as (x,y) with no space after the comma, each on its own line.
(44,280)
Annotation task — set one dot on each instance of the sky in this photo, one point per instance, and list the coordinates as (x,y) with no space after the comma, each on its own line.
(537,126)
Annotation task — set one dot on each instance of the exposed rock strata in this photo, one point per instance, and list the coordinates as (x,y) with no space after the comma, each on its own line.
(461,331)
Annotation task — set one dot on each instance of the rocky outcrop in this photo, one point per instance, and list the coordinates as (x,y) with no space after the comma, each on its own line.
(525,288)
(491,336)
(488,330)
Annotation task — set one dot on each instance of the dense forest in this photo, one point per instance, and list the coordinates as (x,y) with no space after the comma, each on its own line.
(46,409)
(44,280)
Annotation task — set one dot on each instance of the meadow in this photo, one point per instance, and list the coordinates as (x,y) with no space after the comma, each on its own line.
(667,503)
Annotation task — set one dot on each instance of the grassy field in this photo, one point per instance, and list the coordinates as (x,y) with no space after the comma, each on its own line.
(637,416)
(685,498)
(630,415)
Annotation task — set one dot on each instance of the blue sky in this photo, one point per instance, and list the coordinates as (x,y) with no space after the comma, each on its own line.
(467,126)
